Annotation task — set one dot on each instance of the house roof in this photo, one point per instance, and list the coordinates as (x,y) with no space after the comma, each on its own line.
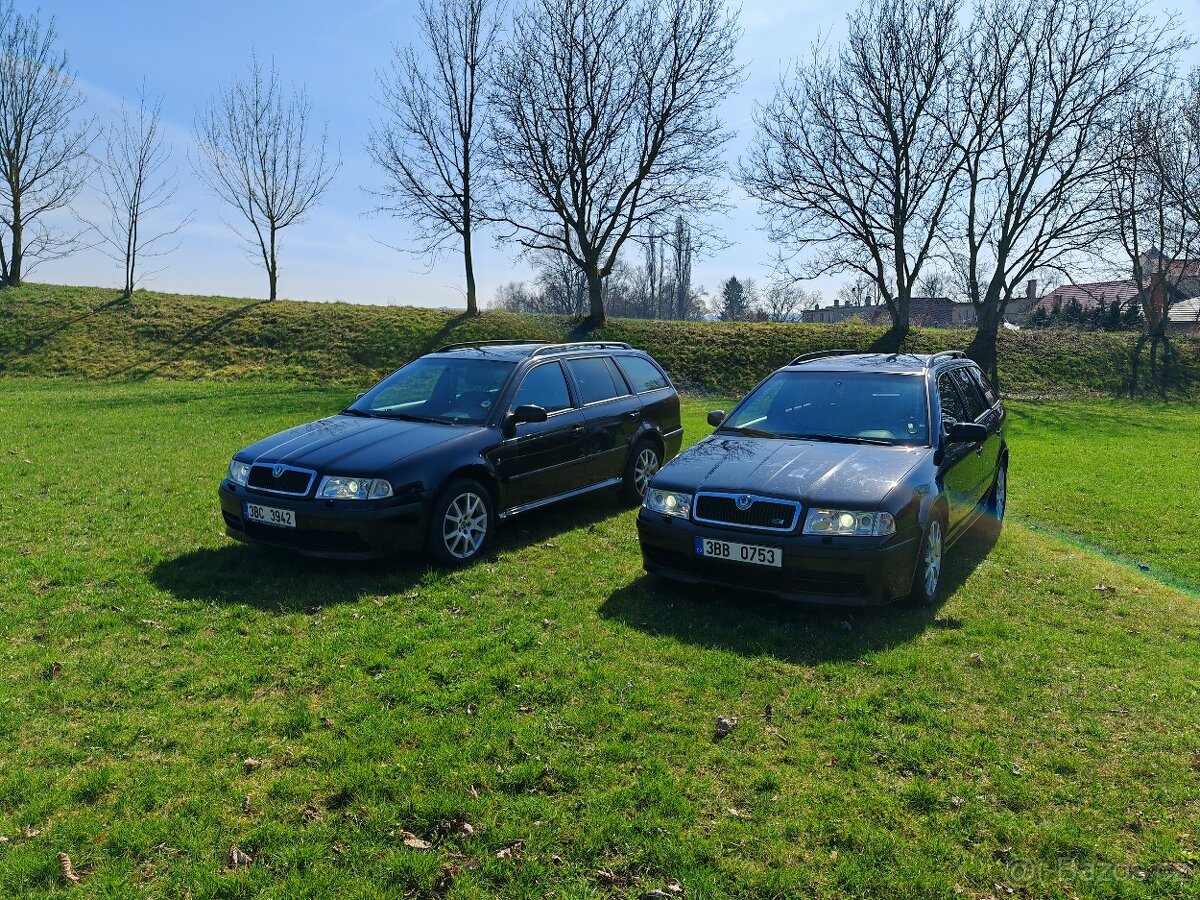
(1090,295)
(1185,312)
(923,312)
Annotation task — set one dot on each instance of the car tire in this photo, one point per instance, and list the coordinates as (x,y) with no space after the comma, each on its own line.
(461,523)
(997,502)
(927,576)
(645,459)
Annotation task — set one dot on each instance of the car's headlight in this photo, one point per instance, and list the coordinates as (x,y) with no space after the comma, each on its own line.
(239,472)
(669,503)
(345,487)
(849,521)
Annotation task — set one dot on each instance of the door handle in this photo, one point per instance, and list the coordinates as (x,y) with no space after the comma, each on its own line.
(577,428)
(634,415)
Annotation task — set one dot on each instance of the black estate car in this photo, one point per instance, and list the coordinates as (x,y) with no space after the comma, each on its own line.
(840,478)
(442,449)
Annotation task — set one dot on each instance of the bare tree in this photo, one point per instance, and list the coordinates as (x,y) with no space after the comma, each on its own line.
(258,154)
(1042,83)
(682,246)
(44,159)
(853,160)
(783,298)
(429,146)
(606,121)
(134,184)
(1153,203)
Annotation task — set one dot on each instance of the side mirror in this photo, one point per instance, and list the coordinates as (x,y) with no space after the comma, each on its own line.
(528,412)
(967,433)
(716,417)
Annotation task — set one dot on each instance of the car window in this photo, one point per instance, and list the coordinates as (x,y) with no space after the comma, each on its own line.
(971,394)
(618,379)
(448,389)
(642,374)
(952,405)
(545,386)
(594,380)
(872,406)
(989,393)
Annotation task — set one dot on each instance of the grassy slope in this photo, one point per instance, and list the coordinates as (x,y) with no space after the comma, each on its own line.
(47,330)
(557,697)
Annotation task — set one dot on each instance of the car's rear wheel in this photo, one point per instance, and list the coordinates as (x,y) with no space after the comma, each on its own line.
(928,575)
(461,523)
(645,459)
(995,504)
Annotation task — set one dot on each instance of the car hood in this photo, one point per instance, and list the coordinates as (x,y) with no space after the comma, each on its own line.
(351,446)
(810,471)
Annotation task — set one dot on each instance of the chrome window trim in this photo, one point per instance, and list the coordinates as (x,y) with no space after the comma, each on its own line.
(795,504)
(311,473)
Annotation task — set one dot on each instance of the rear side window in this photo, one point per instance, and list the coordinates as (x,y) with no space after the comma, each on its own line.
(643,375)
(971,393)
(545,386)
(594,379)
(952,404)
(989,393)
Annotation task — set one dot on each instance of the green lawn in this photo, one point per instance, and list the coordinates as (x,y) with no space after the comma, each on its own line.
(1032,737)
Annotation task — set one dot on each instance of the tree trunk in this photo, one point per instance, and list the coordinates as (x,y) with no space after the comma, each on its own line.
(18,246)
(893,339)
(982,348)
(273,266)
(469,263)
(595,283)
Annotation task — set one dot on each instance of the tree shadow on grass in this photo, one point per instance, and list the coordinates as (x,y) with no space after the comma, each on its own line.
(755,624)
(278,580)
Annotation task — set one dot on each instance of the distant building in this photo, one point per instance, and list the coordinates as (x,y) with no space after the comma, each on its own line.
(1178,280)
(923,312)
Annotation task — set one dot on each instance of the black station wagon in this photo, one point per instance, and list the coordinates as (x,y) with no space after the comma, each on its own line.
(441,450)
(840,478)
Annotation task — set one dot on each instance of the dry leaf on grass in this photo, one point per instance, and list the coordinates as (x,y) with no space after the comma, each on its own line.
(68,870)
(250,764)
(511,850)
(237,858)
(725,725)
(416,843)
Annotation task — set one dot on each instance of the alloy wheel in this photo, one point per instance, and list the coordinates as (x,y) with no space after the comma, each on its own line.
(644,469)
(465,525)
(933,558)
(1001,498)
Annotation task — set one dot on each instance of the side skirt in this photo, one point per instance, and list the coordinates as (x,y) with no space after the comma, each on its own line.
(537,504)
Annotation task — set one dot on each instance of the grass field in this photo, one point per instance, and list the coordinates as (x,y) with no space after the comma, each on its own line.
(1033,737)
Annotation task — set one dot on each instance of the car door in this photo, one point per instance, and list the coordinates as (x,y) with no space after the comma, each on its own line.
(988,452)
(612,415)
(993,418)
(539,460)
(960,463)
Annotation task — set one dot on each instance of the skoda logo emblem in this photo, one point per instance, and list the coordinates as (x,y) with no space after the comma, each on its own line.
(743,502)
(277,471)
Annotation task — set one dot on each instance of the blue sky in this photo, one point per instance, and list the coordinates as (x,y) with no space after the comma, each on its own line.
(184,50)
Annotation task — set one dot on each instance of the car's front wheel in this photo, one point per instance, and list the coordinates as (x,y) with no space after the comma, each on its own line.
(645,459)
(928,575)
(461,523)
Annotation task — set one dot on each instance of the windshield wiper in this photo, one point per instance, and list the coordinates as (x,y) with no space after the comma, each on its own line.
(412,417)
(749,432)
(362,414)
(839,439)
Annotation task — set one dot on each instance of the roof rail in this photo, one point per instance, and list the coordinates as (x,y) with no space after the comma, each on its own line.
(949,354)
(465,344)
(819,354)
(581,345)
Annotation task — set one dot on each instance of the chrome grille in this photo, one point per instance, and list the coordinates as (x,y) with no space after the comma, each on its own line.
(747,511)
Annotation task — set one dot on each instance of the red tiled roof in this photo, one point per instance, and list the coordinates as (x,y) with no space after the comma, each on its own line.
(1090,295)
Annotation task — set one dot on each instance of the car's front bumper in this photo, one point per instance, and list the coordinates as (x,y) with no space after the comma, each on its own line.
(847,571)
(325,527)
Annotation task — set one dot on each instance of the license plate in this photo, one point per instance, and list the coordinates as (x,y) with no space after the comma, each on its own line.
(754,554)
(270,515)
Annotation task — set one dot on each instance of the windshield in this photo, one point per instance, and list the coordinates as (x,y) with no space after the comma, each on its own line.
(855,407)
(447,390)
